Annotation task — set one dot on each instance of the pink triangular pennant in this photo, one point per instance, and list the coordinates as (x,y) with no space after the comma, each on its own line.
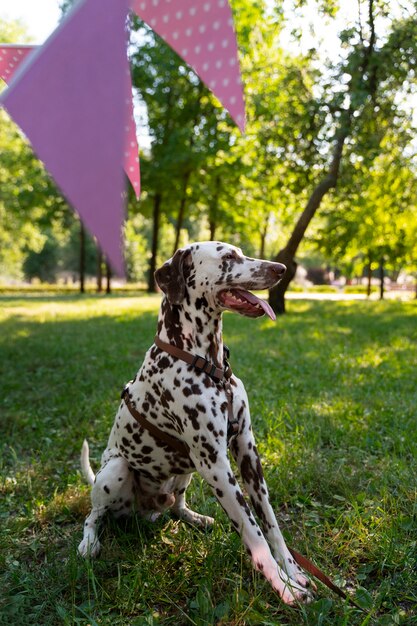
(70,102)
(201,32)
(131,154)
(12,56)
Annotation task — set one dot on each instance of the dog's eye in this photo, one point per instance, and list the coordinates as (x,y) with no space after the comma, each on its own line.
(230,256)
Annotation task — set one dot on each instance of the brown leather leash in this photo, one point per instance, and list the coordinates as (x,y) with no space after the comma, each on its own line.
(201,364)
(312,569)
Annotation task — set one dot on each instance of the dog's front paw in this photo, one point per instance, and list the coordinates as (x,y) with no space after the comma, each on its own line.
(88,548)
(294,594)
(304,581)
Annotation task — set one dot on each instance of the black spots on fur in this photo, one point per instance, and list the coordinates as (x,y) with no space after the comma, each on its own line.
(201,303)
(231,478)
(106,489)
(129,429)
(146,450)
(164,363)
(199,326)
(171,321)
(166,398)
(176,382)
(207,382)
(136,438)
(219,493)
(126,442)
(251,471)
(150,399)
(260,512)
(193,416)
(212,452)
(244,505)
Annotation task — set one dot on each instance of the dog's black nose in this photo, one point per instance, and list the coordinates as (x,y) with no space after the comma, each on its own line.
(279,269)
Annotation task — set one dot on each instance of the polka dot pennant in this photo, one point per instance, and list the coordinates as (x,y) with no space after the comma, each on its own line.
(131,150)
(12,56)
(201,32)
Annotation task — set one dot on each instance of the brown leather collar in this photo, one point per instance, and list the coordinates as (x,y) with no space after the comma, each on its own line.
(200,363)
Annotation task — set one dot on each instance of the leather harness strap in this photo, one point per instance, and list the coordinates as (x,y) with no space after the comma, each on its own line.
(173,442)
(202,364)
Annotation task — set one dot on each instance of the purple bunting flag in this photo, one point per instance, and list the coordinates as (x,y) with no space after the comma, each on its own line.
(70,101)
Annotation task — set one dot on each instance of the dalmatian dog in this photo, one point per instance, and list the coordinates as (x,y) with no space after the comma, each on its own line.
(142,472)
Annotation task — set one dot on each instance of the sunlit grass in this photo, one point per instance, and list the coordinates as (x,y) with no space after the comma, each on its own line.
(333,391)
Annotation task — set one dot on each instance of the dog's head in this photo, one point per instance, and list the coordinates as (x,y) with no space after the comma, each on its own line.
(220,275)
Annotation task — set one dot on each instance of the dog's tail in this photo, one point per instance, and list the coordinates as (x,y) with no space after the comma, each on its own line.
(85,464)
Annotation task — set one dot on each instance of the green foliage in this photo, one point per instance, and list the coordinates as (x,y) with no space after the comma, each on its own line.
(212,182)
(333,397)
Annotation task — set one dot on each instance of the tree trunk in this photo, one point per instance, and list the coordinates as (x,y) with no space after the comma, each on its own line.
(99,270)
(381,280)
(369,277)
(287,254)
(212,227)
(213,208)
(264,233)
(155,238)
(181,211)
(108,278)
(82,258)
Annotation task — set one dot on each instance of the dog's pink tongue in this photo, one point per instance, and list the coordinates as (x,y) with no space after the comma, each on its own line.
(264,304)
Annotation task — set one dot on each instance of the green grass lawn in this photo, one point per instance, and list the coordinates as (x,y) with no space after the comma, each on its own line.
(333,390)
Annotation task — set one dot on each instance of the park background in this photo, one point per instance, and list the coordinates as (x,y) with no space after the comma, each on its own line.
(325,175)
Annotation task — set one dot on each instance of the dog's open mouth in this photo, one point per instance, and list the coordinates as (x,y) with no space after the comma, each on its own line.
(245,303)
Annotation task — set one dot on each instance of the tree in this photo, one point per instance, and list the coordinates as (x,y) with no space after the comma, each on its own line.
(360,98)
(371,223)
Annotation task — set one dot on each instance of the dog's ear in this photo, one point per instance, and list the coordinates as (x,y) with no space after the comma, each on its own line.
(171,278)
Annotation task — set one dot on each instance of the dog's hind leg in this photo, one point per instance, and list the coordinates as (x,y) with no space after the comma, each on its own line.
(113,490)
(180,508)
